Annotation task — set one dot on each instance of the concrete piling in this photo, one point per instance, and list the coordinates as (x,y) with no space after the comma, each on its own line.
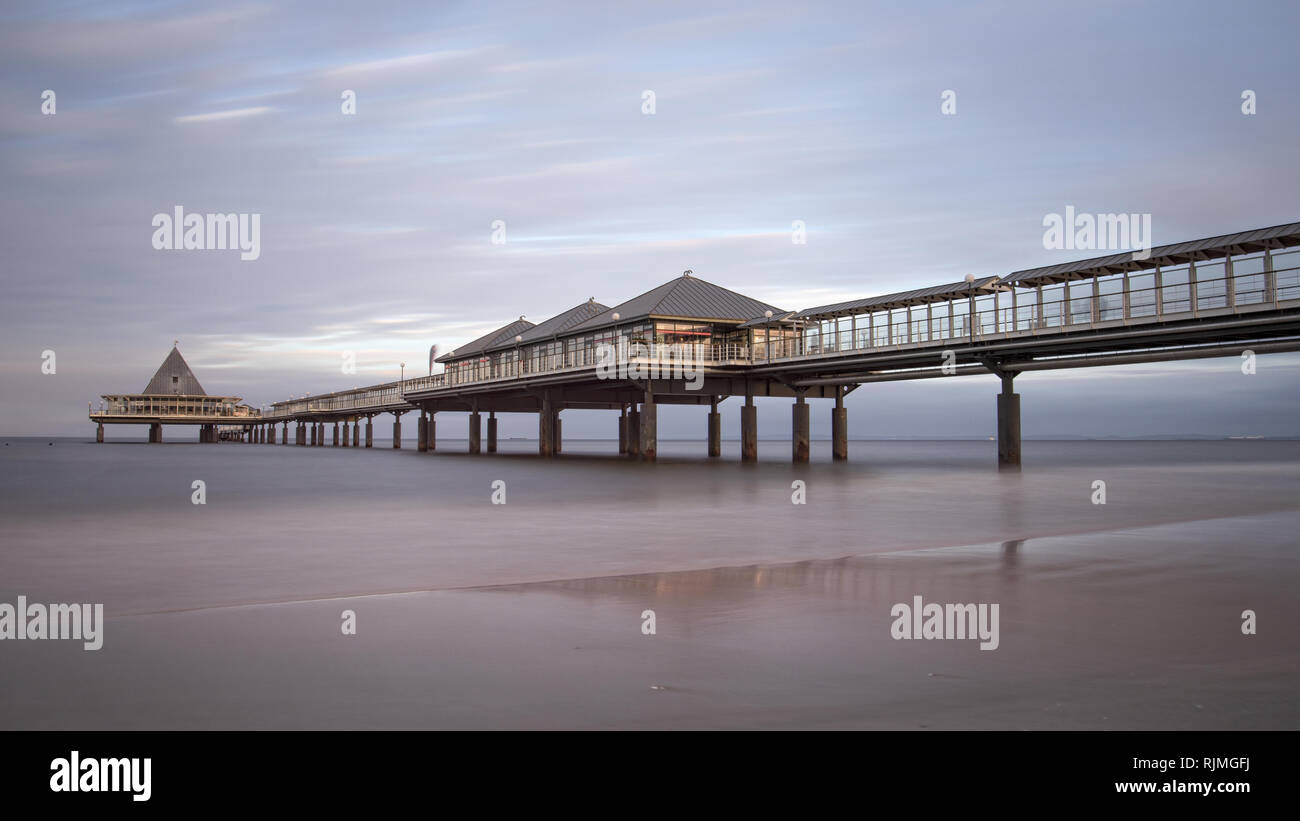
(715,429)
(800,430)
(1008,424)
(748,430)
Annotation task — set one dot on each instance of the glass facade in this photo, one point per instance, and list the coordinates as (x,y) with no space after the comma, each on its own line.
(1188,288)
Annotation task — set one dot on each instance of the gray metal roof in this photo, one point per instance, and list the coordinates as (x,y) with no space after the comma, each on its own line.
(174,377)
(760,321)
(487,340)
(688,297)
(902,299)
(558,324)
(1278,236)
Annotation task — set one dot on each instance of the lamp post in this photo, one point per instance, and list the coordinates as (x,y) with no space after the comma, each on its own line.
(970,290)
(767,332)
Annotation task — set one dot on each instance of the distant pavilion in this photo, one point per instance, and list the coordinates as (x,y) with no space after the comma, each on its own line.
(173,397)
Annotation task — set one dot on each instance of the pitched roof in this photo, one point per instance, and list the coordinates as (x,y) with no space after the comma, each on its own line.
(1278,236)
(686,296)
(174,377)
(487,340)
(560,323)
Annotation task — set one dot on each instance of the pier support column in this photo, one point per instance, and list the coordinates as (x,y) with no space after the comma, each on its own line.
(649,428)
(336,434)
(492,432)
(397,431)
(314,427)
(748,430)
(799,430)
(622,430)
(839,428)
(715,429)
(347,437)
(1008,424)
(422,433)
(370,432)
(475,432)
(270,434)
(155,433)
(559,438)
(284,434)
(633,432)
(546,427)
(356,432)
(99,432)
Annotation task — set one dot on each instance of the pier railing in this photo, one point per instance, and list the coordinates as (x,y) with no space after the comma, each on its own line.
(1083,304)
(1232,285)
(180,407)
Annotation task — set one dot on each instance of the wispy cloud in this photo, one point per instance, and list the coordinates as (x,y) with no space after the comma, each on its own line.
(228,114)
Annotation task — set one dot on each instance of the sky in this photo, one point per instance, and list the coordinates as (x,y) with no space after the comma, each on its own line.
(376,228)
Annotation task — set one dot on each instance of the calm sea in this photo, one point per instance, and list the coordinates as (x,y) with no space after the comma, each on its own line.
(769,613)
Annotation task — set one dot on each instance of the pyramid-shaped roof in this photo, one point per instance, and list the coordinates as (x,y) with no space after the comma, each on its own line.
(688,297)
(487,340)
(174,377)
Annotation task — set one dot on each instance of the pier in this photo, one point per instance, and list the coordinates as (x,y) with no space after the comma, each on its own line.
(175,397)
(690,342)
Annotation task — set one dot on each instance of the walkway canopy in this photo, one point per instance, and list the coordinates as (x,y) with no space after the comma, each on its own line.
(1243,242)
(903,299)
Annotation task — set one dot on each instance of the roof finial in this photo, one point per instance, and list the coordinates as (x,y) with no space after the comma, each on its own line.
(688,273)
(176,343)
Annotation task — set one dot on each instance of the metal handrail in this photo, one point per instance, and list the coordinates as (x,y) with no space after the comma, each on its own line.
(1029,313)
